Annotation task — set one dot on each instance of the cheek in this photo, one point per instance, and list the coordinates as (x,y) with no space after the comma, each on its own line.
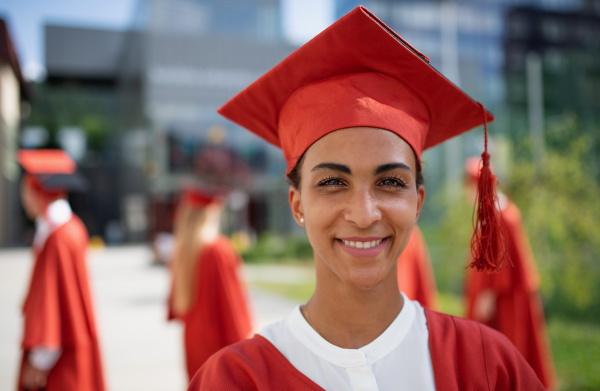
(401,208)
(320,209)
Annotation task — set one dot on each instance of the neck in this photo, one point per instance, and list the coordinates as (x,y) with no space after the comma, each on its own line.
(352,318)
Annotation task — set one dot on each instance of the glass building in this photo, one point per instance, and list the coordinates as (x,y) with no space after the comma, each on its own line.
(158,85)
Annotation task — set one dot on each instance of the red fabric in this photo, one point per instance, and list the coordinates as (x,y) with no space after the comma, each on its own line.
(415,274)
(220,314)
(199,197)
(357,72)
(46,161)
(488,246)
(465,356)
(59,313)
(519,312)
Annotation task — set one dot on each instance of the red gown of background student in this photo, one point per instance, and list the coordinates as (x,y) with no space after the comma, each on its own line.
(59,313)
(415,274)
(220,314)
(519,313)
(465,356)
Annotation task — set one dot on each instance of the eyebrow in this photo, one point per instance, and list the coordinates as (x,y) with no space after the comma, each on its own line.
(346,170)
(332,166)
(391,166)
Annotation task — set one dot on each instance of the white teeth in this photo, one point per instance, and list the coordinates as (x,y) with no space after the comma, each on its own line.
(363,245)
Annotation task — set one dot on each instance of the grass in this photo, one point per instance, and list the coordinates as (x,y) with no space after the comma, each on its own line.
(576,351)
(575,345)
(298,292)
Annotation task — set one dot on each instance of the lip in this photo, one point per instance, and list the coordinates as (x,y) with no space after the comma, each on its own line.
(363,252)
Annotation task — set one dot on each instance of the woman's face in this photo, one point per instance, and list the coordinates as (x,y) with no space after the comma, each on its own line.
(359,200)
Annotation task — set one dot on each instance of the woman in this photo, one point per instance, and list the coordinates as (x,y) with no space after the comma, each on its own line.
(207,293)
(352,111)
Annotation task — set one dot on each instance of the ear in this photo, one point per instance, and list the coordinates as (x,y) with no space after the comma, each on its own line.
(296,205)
(420,200)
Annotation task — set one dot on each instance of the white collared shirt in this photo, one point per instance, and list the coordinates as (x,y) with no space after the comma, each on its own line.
(398,359)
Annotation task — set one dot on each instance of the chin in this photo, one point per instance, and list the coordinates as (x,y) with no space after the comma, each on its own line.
(366,281)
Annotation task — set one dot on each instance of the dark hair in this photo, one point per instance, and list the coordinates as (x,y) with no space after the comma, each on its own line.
(294,175)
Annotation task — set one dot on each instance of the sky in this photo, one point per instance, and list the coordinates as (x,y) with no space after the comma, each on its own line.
(303,19)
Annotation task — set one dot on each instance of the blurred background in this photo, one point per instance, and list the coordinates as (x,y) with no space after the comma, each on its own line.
(129,89)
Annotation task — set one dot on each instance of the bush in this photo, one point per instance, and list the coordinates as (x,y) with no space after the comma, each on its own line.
(560,207)
(559,203)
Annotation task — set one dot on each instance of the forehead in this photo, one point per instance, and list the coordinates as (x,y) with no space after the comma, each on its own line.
(360,146)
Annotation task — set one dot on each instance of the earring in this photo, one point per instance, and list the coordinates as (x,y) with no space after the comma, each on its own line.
(301,220)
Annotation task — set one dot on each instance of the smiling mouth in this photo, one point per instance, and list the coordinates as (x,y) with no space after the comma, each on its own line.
(362,245)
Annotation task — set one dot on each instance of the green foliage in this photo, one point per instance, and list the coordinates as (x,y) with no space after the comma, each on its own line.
(559,203)
(90,108)
(96,128)
(273,248)
(449,240)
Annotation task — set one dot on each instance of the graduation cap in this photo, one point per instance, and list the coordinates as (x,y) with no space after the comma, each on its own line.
(51,170)
(200,196)
(360,73)
(357,72)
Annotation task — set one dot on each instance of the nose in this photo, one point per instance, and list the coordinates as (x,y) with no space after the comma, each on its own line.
(362,209)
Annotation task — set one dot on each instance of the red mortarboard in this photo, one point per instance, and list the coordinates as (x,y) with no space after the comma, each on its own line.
(357,72)
(46,161)
(51,170)
(200,197)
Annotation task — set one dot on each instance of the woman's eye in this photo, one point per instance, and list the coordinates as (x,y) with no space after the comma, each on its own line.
(392,182)
(330,182)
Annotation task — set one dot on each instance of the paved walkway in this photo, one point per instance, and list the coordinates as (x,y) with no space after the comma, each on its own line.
(141,350)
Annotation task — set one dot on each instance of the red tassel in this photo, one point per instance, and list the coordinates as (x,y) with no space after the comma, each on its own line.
(488,246)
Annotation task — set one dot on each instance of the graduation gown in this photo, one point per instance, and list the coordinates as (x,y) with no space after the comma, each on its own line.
(415,274)
(519,312)
(58,311)
(220,314)
(465,356)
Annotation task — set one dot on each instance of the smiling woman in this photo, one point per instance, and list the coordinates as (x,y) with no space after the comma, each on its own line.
(352,111)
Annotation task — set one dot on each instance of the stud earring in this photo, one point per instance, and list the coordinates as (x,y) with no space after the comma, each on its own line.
(301,220)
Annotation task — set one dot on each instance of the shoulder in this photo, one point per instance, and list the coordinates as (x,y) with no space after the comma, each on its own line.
(219,253)
(252,364)
(472,353)
(72,231)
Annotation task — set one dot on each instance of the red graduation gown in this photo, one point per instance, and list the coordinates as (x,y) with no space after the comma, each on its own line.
(465,356)
(59,313)
(220,314)
(519,311)
(415,274)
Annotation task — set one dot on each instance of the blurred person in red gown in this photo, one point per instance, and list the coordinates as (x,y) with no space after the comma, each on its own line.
(207,293)
(415,273)
(60,342)
(509,300)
